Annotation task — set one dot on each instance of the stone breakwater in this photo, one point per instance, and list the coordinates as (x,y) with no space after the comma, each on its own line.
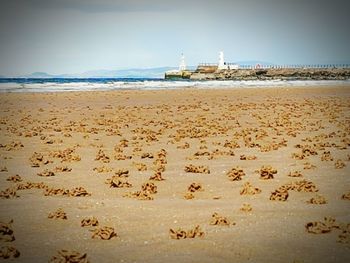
(275,73)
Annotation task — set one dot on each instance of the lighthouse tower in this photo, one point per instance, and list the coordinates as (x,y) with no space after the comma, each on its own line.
(222,64)
(182,66)
(181,73)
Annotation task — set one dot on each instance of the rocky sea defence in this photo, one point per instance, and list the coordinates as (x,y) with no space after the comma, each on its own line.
(275,73)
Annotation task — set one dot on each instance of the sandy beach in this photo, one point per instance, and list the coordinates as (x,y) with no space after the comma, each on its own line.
(186,175)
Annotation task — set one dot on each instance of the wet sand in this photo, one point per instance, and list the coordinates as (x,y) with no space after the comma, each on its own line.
(127,176)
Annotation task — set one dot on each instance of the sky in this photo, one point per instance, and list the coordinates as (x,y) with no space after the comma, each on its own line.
(74,36)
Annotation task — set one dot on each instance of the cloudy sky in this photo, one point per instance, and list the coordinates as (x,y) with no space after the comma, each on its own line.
(72,36)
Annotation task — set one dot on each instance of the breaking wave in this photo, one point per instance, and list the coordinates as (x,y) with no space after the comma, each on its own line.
(60,85)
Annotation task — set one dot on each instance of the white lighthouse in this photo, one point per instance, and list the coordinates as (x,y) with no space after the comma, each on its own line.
(181,73)
(223,65)
(221,61)
(182,66)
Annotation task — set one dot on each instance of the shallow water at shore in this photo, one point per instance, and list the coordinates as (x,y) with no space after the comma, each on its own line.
(105,84)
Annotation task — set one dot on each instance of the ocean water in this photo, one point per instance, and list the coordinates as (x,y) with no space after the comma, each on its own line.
(103,84)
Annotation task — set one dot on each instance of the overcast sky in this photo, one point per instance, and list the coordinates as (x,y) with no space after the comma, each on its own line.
(72,36)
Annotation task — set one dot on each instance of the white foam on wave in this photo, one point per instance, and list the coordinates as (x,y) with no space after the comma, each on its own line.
(159,84)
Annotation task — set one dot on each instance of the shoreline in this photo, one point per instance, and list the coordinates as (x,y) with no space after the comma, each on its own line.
(163,86)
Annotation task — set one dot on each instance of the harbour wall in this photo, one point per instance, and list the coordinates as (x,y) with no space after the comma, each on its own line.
(274,73)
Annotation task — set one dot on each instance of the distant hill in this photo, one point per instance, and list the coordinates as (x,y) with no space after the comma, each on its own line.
(126,73)
(41,75)
(123,73)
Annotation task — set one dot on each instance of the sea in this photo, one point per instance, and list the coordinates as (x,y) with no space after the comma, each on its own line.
(8,85)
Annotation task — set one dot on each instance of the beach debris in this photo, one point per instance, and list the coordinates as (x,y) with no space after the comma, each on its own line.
(295,174)
(140,166)
(140,195)
(104,233)
(346,196)
(189,196)
(159,168)
(101,156)
(38,159)
(78,191)
(14,145)
(120,156)
(116,182)
(66,155)
(69,256)
(147,155)
(182,234)
(47,141)
(102,169)
(267,172)
(309,166)
(137,149)
(62,169)
(30,185)
(185,145)
(9,193)
(317,200)
(246,208)
(248,189)
(157,176)
(233,144)
(74,192)
(326,156)
(191,189)
(161,154)
(123,143)
(6,231)
(344,236)
(201,153)
(89,221)
(202,147)
(307,149)
(319,227)
(122,173)
(58,214)
(247,157)
(339,164)
(300,186)
(14,178)
(279,195)
(197,169)
(211,155)
(194,187)
(298,156)
(7,252)
(46,173)
(235,174)
(149,187)
(51,191)
(3,169)
(218,220)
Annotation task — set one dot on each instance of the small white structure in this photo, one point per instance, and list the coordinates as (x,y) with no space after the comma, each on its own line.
(181,73)
(223,65)
(182,66)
